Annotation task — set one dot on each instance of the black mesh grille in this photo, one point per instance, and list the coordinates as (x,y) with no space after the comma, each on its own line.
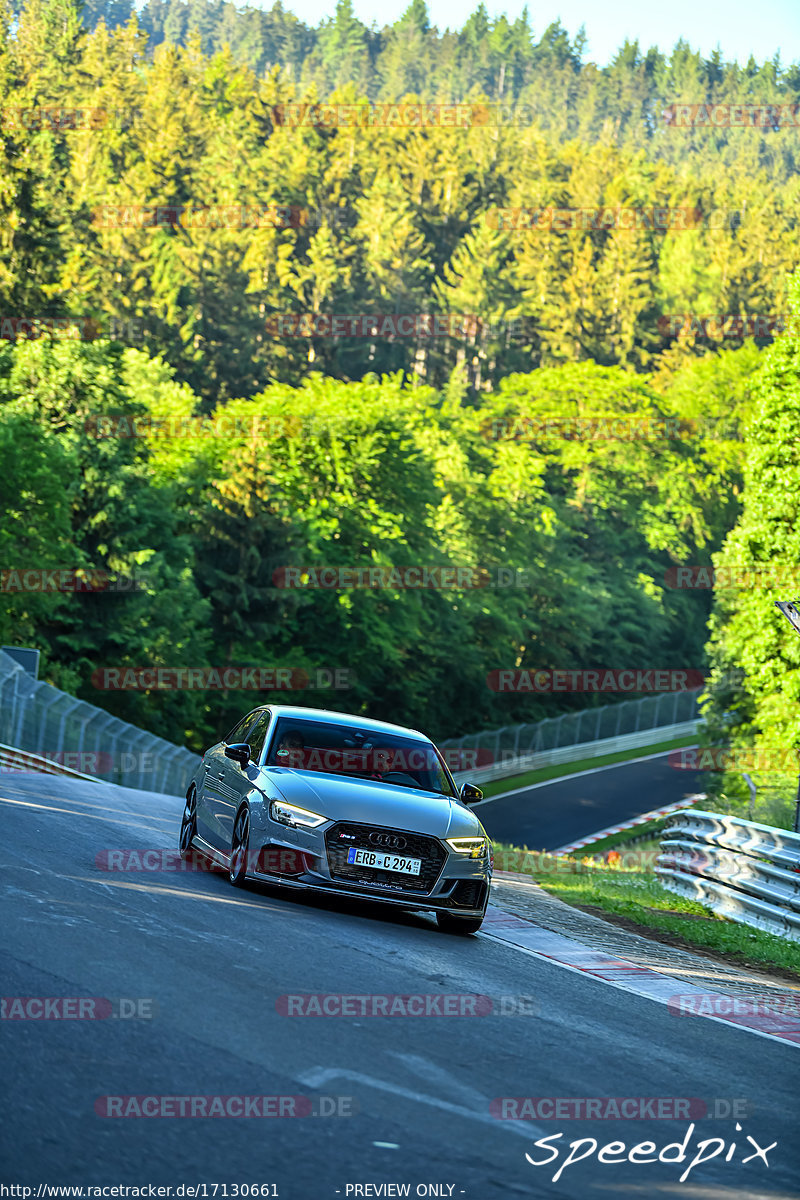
(342,836)
(468,893)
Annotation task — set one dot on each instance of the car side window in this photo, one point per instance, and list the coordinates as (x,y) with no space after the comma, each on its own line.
(239,731)
(257,736)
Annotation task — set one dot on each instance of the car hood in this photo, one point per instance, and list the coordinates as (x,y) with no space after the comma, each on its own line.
(342,798)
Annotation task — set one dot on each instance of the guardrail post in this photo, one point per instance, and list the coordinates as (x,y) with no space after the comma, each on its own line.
(40,738)
(656,724)
(752,789)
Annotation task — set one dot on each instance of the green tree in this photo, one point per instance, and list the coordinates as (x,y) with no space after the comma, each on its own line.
(759,564)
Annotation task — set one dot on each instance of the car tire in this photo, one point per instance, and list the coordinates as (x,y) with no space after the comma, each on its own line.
(448,923)
(188,825)
(240,845)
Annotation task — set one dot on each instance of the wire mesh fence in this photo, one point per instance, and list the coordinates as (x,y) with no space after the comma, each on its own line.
(39,719)
(514,742)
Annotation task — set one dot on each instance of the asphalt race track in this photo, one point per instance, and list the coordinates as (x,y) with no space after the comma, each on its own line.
(564,811)
(213,963)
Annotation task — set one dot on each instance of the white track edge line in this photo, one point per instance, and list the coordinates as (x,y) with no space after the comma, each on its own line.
(623,987)
(628,762)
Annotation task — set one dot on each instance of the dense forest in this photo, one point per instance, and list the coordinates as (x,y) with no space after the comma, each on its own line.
(183,205)
(547,339)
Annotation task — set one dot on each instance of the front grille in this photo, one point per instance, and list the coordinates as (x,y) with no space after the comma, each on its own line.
(430,851)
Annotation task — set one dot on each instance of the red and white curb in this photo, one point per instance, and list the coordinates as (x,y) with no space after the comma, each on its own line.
(682,999)
(642,820)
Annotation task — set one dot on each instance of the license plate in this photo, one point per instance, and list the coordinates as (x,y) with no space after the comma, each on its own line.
(384,862)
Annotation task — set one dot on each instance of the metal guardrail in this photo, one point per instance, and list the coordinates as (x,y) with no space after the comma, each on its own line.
(515,748)
(566,754)
(741,869)
(21,760)
(38,719)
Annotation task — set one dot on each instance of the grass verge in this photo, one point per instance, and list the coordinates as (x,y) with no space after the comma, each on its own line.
(557,771)
(636,900)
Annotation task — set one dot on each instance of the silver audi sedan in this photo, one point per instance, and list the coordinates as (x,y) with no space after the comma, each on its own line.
(307,798)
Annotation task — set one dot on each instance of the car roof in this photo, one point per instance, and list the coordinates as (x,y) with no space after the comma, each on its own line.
(339,718)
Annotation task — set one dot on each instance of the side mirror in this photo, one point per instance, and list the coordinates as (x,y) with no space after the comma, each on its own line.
(470,794)
(239,752)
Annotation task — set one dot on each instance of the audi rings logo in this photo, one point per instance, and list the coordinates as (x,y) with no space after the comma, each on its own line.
(392,841)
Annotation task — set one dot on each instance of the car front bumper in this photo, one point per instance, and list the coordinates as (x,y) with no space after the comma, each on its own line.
(306,859)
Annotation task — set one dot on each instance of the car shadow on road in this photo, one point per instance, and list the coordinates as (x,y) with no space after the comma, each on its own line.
(364,908)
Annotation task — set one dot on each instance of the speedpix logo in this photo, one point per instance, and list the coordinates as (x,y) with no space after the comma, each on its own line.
(617,1153)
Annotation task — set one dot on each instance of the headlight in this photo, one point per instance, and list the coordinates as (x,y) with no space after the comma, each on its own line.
(475,847)
(290,814)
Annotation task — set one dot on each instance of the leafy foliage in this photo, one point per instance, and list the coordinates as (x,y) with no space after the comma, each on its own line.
(259,447)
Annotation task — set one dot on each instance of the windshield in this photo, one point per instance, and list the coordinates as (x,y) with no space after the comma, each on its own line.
(363,753)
